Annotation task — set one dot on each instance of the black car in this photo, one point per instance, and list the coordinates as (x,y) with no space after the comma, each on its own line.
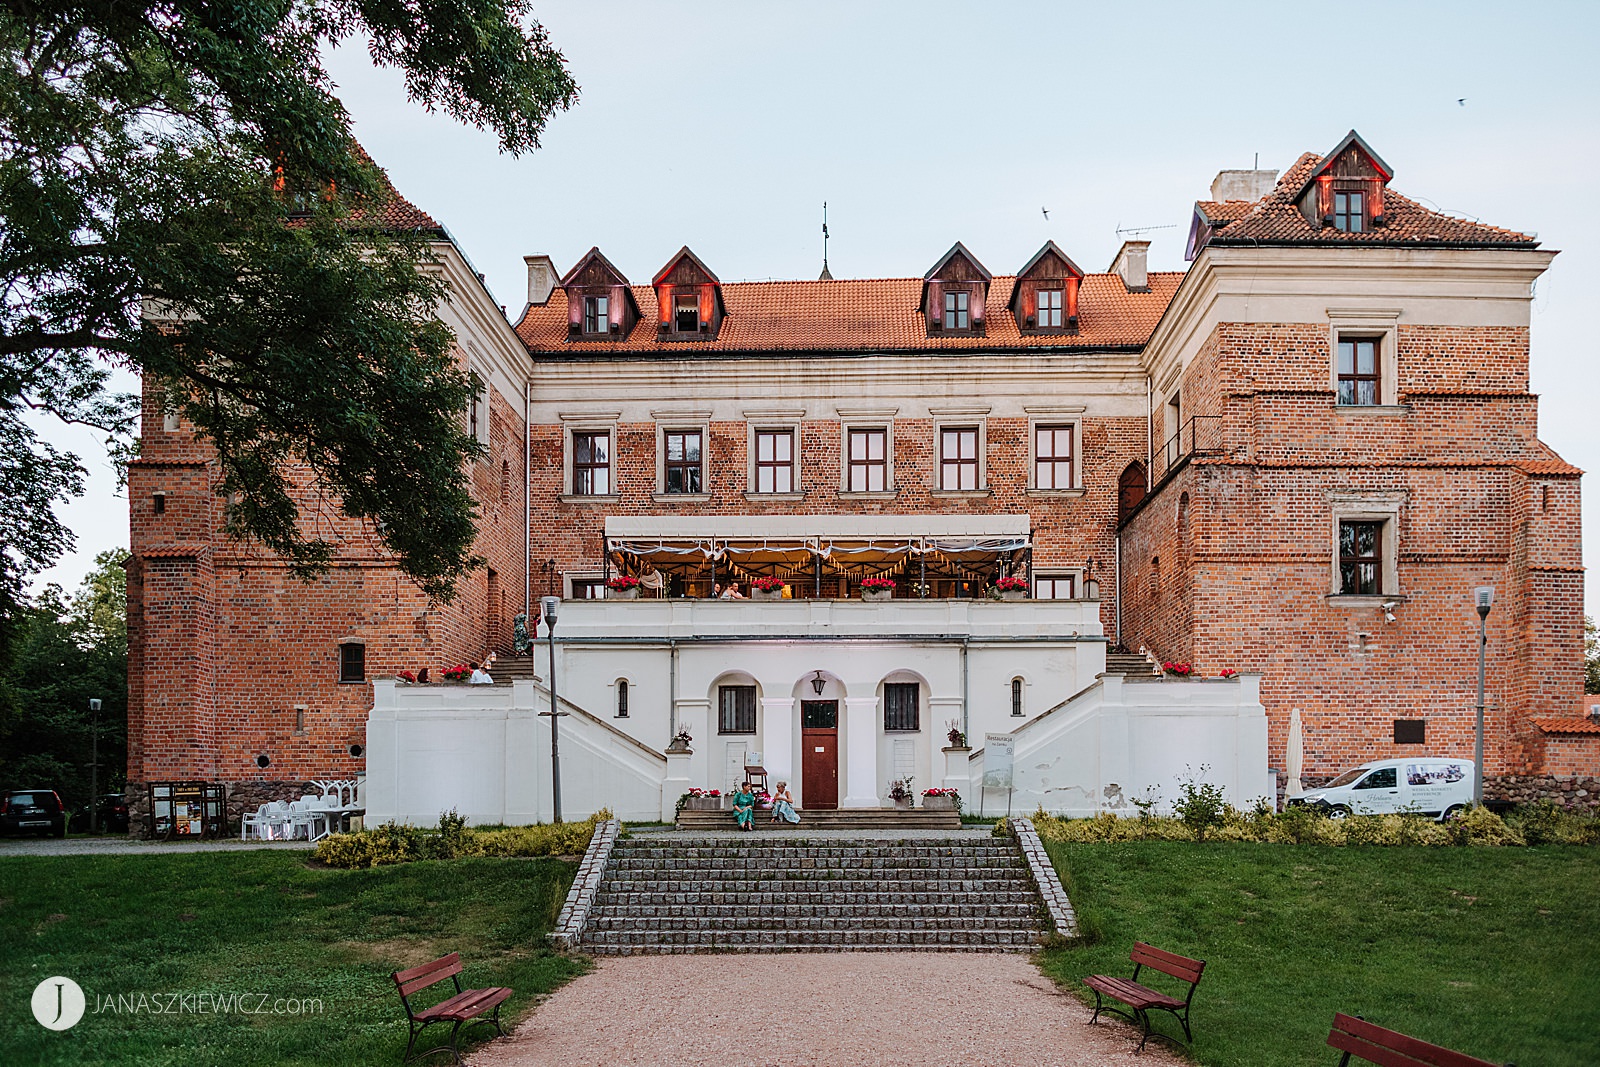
(111,816)
(32,811)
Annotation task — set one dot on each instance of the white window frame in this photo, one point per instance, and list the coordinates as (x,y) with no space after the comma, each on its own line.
(867,420)
(1366,507)
(960,419)
(1061,416)
(587,422)
(682,422)
(794,491)
(1055,574)
(1367,323)
(766,421)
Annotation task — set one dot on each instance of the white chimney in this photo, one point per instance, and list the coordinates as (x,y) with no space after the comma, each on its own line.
(1243,184)
(541,278)
(1132,264)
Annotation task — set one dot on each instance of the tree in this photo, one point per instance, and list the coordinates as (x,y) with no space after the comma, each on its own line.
(1591,656)
(190,157)
(67,652)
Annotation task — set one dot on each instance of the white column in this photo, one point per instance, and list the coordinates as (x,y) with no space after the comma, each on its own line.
(956,774)
(380,792)
(676,783)
(860,741)
(777,738)
(526,763)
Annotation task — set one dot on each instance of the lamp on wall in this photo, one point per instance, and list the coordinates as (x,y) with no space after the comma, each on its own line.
(818,683)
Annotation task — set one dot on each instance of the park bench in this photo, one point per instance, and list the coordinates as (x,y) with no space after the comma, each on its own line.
(1141,998)
(461,1009)
(1356,1037)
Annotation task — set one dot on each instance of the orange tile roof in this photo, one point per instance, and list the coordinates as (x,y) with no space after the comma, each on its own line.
(1275,219)
(864,315)
(1566,724)
(1219,213)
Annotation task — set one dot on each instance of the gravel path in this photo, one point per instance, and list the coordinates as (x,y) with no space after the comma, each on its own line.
(848,1009)
(127,846)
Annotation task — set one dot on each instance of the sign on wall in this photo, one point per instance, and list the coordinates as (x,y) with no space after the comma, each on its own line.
(998,751)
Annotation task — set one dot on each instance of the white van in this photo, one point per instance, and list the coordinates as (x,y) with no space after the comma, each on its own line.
(1436,787)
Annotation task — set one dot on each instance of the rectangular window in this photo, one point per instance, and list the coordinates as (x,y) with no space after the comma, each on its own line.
(774,461)
(591,464)
(1049,314)
(900,703)
(1349,211)
(683,461)
(1410,732)
(1361,558)
(1052,457)
(596,314)
(686,314)
(588,589)
(736,709)
(1359,377)
(352,662)
(958,458)
(1055,587)
(955,310)
(868,461)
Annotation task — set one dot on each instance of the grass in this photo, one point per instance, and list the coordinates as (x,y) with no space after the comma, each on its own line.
(262,923)
(1494,952)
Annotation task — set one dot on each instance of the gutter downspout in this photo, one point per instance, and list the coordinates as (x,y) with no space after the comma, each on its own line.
(1149,434)
(527,502)
(966,691)
(672,690)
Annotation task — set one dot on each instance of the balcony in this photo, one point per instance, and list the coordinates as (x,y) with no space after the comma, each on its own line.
(1200,436)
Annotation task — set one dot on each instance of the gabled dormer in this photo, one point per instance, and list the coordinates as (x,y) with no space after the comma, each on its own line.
(600,304)
(954,293)
(1345,190)
(1045,298)
(688,299)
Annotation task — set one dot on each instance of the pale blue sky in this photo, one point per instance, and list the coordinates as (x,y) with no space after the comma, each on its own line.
(725,127)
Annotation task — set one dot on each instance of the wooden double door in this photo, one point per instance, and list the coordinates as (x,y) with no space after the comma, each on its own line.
(819,754)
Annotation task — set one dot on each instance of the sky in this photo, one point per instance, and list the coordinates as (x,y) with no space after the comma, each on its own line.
(725,126)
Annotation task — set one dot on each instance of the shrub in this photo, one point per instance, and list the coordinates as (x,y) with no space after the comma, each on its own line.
(393,843)
(1480,826)
(1199,804)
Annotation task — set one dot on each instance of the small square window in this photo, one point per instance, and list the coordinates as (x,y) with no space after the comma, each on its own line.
(683,469)
(1048,316)
(1055,587)
(736,709)
(1361,558)
(1349,211)
(955,309)
(1360,379)
(352,662)
(1410,731)
(588,589)
(596,314)
(900,705)
(686,314)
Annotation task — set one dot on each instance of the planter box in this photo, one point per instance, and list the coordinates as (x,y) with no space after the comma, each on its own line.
(622,594)
(1013,594)
(938,804)
(877,594)
(763,594)
(703,804)
(904,805)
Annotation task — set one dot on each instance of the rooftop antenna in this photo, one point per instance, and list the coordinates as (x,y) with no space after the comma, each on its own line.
(1136,230)
(1257,164)
(826,275)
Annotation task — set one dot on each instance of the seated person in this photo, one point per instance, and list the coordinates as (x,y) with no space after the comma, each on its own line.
(744,807)
(479,676)
(732,592)
(783,804)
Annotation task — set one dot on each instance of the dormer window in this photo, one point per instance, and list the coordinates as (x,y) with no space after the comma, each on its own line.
(1048,316)
(596,314)
(1349,210)
(686,314)
(955,310)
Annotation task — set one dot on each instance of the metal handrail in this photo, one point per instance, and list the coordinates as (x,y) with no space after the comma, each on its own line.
(1201,435)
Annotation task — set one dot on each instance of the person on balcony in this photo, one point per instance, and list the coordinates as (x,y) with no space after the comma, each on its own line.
(479,676)
(732,592)
(783,804)
(744,807)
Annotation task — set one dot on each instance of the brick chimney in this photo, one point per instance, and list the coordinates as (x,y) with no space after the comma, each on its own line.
(1131,265)
(1243,184)
(541,278)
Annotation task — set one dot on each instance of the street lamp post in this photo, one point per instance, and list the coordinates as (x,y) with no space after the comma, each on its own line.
(94,762)
(1484,597)
(550,604)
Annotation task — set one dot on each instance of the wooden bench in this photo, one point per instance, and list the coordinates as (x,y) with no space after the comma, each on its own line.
(461,1009)
(1354,1036)
(1142,999)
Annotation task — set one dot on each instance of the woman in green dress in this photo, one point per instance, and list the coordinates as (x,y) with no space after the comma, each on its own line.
(744,807)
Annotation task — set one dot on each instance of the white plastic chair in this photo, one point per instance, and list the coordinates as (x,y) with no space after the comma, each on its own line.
(252,820)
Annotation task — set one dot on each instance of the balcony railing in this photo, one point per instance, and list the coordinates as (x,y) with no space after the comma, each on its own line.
(1200,436)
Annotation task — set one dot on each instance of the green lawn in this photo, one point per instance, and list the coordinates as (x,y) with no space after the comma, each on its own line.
(1492,951)
(261,923)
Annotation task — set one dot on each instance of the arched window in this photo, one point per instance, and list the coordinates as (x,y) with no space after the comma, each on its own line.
(1016,696)
(622,698)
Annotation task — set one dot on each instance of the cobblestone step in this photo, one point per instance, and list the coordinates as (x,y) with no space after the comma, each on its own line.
(673,913)
(654,928)
(613,942)
(715,850)
(833,819)
(1018,892)
(947,870)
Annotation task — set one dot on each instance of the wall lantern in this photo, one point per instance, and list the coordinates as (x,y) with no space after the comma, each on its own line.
(818,683)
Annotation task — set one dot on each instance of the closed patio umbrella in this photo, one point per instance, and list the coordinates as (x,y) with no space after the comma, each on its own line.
(1294,759)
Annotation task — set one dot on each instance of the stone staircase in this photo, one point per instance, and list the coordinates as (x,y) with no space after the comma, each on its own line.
(1130,663)
(670,893)
(508,668)
(836,819)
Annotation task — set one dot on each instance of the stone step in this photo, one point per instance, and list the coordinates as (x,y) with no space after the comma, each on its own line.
(827,819)
(611,942)
(797,911)
(828,867)
(998,894)
(655,929)
(704,847)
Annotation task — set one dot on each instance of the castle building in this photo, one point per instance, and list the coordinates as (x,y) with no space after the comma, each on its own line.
(1289,466)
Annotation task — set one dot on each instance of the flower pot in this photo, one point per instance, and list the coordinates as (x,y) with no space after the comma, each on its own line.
(1013,594)
(703,804)
(622,594)
(904,805)
(877,594)
(938,804)
(766,594)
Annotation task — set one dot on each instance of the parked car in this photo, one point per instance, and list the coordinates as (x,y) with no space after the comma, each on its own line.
(1425,784)
(111,814)
(32,811)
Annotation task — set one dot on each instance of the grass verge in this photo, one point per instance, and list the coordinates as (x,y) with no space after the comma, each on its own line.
(261,923)
(1495,952)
